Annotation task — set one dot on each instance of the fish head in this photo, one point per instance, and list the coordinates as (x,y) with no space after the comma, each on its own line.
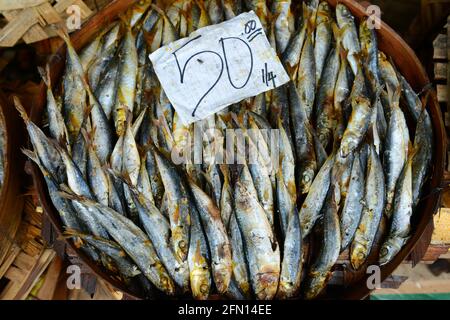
(266,285)
(358,255)
(323,11)
(343,12)
(180,246)
(222,276)
(316,284)
(167,285)
(390,249)
(346,149)
(200,282)
(200,275)
(365,32)
(181,249)
(307,180)
(286,289)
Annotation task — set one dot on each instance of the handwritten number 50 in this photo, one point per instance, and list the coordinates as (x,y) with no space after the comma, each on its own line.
(182,73)
(182,69)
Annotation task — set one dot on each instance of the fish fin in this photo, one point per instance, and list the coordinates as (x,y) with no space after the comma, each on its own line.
(138,122)
(122,176)
(291,70)
(150,35)
(143,151)
(338,34)
(393,94)
(32,155)
(165,127)
(238,120)
(198,257)
(370,134)
(21,109)
(412,151)
(78,236)
(62,32)
(310,27)
(201,4)
(424,100)
(225,173)
(87,136)
(306,12)
(343,54)
(67,193)
(206,177)
(69,233)
(159,10)
(184,13)
(45,75)
(125,20)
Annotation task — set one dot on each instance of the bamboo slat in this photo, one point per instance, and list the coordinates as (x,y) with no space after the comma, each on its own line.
(28,258)
(33,23)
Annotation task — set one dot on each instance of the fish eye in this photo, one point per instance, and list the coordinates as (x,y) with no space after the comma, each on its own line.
(361,255)
(182,244)
(204,288)
(384,251)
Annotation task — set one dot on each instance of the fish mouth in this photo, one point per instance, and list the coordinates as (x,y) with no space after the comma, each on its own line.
(168,286)
(286,290)
(307,180)
(222,277)
(200,285)
(180,248)
(268,285)
(358,257)
(388,251)
(316,284)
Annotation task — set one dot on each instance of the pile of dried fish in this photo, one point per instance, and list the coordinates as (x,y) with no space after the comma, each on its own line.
(346,157)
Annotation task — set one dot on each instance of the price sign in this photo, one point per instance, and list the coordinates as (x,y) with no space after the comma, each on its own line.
(217,66)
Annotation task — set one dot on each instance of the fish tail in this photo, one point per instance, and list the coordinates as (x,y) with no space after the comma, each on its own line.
(30,154)
(158,10)
(21,109)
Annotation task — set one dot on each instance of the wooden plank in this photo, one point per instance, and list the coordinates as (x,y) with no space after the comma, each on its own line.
(447,119)
(48,13)
(22,4)
(9,259)
(448,61)
(440,47)
(441,235)
(393,282)
(15,274)
(60,7)
(34,274)
(442,93)
(448,169)
(440,71)
(426,286)
(34,34)
(17,27)
(52,276)
(24,261)
(434,252)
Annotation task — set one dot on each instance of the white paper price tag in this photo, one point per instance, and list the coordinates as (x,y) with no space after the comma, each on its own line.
(217,66)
